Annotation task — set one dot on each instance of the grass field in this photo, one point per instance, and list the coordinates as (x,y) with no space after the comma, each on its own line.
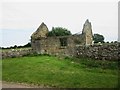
(54,72)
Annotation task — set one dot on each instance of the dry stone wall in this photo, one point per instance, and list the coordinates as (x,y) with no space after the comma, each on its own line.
(101,52)
(15,53)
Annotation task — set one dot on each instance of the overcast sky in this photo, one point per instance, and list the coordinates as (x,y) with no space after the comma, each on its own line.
(21,19)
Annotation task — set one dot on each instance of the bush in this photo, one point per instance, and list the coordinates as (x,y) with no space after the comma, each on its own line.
(98,38)
(59,31)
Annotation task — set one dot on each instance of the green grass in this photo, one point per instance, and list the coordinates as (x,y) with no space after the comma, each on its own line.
(53,72)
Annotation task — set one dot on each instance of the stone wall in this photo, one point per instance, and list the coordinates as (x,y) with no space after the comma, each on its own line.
(87,33)
(52,45)
(15,53)
(101,52)
(42,43)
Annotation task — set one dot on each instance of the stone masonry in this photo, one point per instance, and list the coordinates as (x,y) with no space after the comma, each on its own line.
(101,52)
(60,45)
(77,45)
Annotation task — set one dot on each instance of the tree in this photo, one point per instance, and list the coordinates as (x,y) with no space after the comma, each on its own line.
(59,31)
(98,38)
(15,46)
(27,45)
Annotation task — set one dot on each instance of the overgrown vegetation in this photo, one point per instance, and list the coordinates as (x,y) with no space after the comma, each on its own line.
(98,38)
(59,31)
(67,72)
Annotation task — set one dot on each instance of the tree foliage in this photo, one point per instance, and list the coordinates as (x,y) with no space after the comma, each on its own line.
(59,31)
(98,38)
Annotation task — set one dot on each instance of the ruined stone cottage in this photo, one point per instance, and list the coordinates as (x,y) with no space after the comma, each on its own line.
(76,45)
(60,45)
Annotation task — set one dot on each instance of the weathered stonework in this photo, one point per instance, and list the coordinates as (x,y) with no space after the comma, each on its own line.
(101,52)
(60,44)
(72,46)
(16,53)
(87,32)
(41,32)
